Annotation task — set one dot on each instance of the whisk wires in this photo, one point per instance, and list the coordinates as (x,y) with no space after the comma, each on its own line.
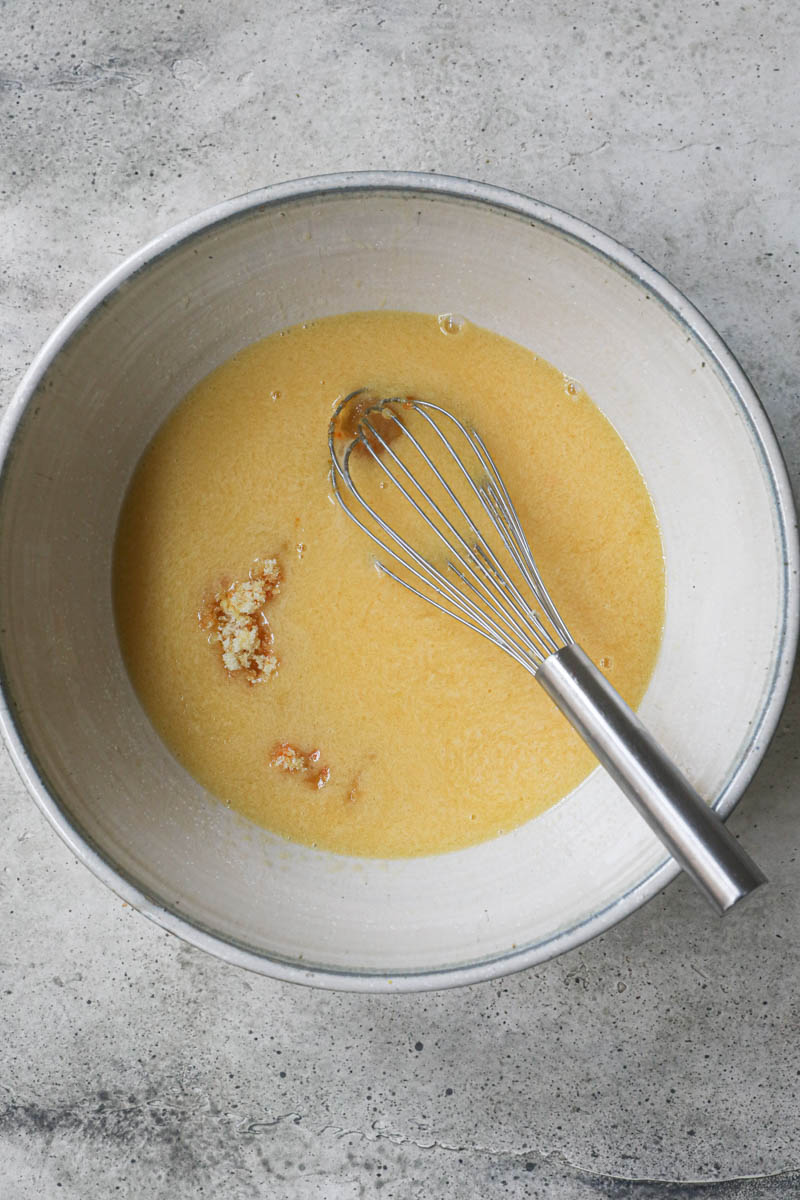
(487,576)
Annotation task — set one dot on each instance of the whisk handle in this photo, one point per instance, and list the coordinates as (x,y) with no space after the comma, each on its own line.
(691,830)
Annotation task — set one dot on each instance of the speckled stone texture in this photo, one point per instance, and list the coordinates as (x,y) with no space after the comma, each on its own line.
(663,1059)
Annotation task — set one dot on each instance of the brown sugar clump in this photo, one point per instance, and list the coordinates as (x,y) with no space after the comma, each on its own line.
(237,622)
(319,778)
(349,419)
(286,757)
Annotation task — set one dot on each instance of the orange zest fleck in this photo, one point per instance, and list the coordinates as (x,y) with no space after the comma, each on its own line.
(286,757)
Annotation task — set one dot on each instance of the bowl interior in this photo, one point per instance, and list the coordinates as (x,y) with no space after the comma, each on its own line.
(104,395)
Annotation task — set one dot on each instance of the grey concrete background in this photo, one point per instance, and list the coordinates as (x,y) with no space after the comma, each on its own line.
(663,1059)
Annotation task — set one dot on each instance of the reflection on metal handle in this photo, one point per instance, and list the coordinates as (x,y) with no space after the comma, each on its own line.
(687,826)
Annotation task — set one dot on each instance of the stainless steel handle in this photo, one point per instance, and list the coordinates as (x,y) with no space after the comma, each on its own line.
(687,826)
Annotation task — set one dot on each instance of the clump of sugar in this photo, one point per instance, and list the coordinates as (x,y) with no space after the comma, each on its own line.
(286,757)
(236,621)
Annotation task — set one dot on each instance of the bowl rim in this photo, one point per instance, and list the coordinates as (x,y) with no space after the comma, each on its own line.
(741,392)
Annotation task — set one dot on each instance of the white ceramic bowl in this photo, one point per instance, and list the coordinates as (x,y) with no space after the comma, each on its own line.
(116,367)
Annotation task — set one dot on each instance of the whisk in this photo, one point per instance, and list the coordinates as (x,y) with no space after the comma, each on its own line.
(470,558)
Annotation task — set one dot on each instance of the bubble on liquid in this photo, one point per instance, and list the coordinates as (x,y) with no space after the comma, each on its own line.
(606,662)
(451,323)
(571,386)
(275,394)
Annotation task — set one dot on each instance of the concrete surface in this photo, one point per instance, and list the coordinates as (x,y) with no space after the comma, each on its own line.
(662,1060)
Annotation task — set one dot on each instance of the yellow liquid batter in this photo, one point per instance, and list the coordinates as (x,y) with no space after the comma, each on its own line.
(434,739)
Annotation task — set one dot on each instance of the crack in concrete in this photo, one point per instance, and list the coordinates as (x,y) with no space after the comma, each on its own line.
(734,146)
(711,1187)
(163,1119)
(84,78)
(574,155)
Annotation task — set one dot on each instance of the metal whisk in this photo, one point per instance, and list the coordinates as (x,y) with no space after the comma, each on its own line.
(470,558)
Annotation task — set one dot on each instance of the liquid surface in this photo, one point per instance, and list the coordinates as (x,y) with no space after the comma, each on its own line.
(426,737)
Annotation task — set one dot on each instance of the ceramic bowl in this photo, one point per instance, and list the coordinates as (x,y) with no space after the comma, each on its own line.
(112,372)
